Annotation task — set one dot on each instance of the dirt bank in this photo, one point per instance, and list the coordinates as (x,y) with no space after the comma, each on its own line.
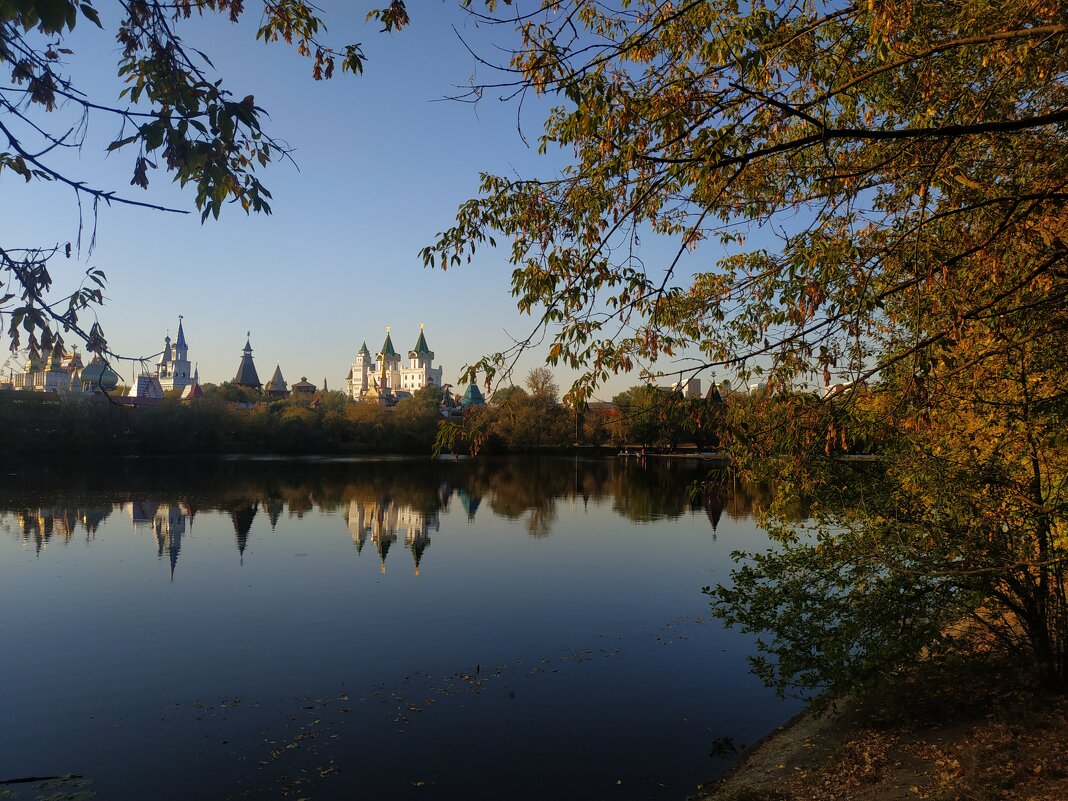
(960,742)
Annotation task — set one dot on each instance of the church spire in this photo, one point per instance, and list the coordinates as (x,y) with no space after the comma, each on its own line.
(179,342)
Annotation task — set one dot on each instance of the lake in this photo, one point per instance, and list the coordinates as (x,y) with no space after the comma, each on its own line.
(391,628)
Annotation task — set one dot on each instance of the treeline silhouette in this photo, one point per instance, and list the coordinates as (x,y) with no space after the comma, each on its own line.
(330,423)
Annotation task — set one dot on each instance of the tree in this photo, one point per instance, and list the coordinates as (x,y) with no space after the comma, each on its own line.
(900,170)
(542,386)
(174,115)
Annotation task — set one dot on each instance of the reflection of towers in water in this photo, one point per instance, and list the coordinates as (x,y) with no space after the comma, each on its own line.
(40,526)
(169,525)
(274,508)
(469,502)
(715,502)
(383,521)
(242,516)
(92,517)
(142,512)
(168,522)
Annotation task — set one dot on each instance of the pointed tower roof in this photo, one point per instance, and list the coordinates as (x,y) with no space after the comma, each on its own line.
(166,350)
(714,394)
(387,347)
(363,350)
(180,341)
(246,370)
(420,348)
(277,383)
(473,397)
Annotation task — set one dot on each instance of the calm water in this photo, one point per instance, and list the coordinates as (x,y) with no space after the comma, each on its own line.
(385,628)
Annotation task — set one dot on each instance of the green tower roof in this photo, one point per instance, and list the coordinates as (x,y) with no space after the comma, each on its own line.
(421,348)
(387,347)
(473,397)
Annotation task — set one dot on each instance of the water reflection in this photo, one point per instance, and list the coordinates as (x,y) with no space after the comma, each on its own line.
(381,519)
(538,600)
(382,503)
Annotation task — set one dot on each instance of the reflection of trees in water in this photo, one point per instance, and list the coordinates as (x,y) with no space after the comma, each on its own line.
(405,497)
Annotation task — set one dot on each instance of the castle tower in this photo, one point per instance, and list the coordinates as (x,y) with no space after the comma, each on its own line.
(246,370)
(359,375)
(389,366)
(181,350)
(421,356)
(55,377)
(420,371)
(173,369)
(164,365)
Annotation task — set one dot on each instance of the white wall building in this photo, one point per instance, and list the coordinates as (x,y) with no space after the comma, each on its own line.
(385,377)
(173,370)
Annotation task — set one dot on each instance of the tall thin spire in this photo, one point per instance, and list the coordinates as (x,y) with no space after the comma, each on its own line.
(180,339)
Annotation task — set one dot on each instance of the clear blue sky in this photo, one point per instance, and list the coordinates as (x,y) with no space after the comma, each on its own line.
(382,167)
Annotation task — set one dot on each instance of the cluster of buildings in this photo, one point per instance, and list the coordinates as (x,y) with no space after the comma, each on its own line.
(383,378)
(62,371)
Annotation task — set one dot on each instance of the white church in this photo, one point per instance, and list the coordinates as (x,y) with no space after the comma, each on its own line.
(173,369)
(384,379)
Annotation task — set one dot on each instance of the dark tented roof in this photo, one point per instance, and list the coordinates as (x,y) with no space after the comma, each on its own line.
(246,371)
(277,383)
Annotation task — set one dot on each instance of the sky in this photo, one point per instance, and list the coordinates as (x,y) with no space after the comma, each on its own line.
(382,162)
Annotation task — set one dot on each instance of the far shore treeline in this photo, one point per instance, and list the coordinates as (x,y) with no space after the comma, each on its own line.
(233,419)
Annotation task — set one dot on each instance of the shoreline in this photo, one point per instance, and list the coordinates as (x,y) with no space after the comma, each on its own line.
(1001,741)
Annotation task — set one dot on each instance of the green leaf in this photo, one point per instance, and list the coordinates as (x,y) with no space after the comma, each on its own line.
(121,143)
(91,14)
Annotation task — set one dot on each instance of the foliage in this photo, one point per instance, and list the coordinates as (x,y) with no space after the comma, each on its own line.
(174,115)
(900,170)
(229,419)
(542,386)
(952,543)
